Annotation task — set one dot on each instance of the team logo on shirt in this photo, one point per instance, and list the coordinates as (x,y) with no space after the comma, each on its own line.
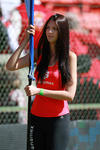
(46,75)
(46,81)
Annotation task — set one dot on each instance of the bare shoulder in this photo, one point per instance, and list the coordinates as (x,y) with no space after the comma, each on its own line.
(72,55)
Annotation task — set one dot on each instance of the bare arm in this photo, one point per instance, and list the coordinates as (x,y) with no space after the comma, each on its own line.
(15,62)
(68,94)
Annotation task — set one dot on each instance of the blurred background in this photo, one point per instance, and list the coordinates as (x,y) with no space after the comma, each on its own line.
(84,23)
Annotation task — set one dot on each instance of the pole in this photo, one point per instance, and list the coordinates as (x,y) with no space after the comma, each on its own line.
(31,70)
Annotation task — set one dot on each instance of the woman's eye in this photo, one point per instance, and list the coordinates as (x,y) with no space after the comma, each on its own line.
(51,28)
(54,28)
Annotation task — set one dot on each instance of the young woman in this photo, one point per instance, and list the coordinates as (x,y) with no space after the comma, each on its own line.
(56,80)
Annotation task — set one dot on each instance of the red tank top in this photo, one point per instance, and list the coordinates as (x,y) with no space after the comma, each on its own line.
(48,107)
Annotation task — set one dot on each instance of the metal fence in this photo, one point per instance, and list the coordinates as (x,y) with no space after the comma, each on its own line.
(13,101)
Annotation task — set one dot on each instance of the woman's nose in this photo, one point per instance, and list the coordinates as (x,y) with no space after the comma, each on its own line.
(50,30)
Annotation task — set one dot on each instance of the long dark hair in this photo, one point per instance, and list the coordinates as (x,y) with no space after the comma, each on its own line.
(62,49)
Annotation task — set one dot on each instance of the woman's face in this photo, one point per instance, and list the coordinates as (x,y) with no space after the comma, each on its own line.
(52,32)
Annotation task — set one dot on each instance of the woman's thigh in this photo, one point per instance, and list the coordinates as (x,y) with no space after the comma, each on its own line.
(58,133)
(36,135)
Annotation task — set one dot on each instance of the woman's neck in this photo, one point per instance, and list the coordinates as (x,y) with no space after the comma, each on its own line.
(53,58)
(52,49)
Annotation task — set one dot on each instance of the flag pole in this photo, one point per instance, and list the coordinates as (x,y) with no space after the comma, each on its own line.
(31,72)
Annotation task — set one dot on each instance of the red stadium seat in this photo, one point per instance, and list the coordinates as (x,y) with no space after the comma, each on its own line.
(90,1)
(91,21)
(60,1)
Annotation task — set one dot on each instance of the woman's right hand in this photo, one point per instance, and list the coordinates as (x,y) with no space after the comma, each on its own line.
(30,30)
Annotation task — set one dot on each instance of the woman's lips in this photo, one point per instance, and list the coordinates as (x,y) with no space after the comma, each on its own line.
(49,36)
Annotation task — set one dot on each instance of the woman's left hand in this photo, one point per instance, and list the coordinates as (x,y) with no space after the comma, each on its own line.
(31,90)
